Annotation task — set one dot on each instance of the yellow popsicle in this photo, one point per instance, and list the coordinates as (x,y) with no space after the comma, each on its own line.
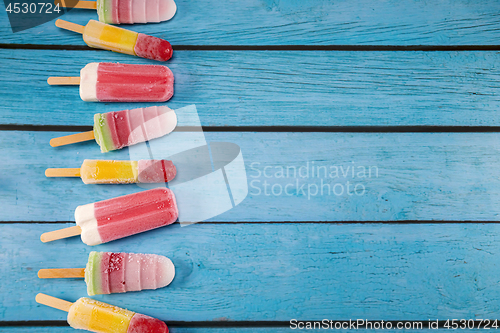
(92,315)
(109,172)
(103,36)
(99,317)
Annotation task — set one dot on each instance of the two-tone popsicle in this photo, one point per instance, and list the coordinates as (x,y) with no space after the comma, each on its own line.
(109,272)
(119,172)
(104,36)
(129,11)
(112,219)
(100,317)
(118,129)
(111,82)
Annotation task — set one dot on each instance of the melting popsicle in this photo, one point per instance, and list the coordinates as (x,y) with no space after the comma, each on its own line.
(118,129)
(95,316)
(119,172)
(108,272)
(104,36)
(110,82)
(112,219)
(130,11)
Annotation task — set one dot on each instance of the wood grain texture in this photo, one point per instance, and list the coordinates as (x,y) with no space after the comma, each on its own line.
(315,22)
(426,176)
(260,272)
(276,272)
(275,88)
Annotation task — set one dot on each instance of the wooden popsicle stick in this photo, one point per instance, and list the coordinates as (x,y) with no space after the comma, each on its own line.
(56,273)
(60,234)
(70,26)
(62,172)
(53,302)
(64,80)
(80,4)
(73,138)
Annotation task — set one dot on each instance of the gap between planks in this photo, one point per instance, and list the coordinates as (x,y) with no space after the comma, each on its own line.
(292,222)
(362,48)
(227,324)
(279,129)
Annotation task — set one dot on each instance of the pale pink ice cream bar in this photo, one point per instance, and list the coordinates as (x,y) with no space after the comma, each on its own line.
(109,272)
(118,129)
(135,11)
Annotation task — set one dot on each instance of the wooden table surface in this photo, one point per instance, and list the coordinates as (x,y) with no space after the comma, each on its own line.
(408,88)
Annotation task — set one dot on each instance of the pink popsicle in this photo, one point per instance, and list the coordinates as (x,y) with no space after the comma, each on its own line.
(156,171)
(145,324)
(124,216)
(135,213)
(111,82)
(153,48)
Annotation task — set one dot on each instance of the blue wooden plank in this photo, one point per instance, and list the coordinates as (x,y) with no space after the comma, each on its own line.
(257,22)
(397,176)
(276,272)
(263,89)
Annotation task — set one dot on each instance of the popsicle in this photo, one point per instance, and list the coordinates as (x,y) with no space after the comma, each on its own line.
(89,314)
(129,11)
(110,82)
(119,172)
(118,129)
(109,272)
(111,219)
(104,36)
